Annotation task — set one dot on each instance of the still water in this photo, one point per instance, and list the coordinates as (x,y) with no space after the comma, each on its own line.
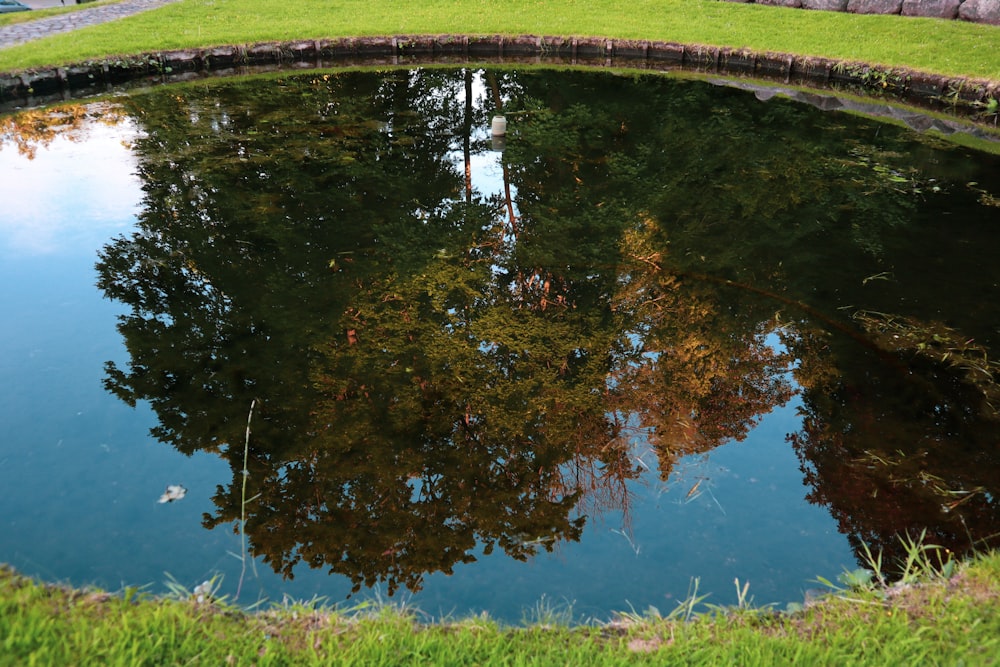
(661,331)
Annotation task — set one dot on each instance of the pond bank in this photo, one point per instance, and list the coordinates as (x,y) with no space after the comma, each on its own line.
(936,621)
(48,85)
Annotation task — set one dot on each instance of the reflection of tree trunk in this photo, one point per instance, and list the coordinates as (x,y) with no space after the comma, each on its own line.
(887,355)
(804,307)
(498,102)
(467,136)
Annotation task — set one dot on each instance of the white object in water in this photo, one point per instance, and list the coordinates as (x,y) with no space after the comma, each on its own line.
(173,492)
(203,592)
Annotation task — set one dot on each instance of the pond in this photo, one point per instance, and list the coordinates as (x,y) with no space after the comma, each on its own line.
(661,335)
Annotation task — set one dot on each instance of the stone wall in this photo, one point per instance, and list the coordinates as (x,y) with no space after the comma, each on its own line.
(977,11)
(953,95)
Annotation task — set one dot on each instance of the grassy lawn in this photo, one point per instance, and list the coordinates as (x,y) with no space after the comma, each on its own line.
(943,47)
(933,620)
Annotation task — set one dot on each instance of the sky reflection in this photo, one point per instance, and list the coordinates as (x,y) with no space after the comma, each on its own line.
(99,193)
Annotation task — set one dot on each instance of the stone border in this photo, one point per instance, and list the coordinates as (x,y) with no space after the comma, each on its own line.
(976,11)
(37,87)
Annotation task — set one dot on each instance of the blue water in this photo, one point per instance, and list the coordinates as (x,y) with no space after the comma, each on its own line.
(81,475)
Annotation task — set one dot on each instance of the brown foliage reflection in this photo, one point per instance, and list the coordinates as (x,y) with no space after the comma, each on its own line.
(37,128)
(697,377)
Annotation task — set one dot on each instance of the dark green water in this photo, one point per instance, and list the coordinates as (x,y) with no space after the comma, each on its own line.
(670,331)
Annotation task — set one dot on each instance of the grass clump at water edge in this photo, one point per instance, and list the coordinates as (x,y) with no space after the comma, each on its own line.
(930,616)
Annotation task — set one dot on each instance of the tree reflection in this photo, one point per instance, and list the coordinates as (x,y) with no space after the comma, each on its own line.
(37,128)
(436,375)
(926,464)
(698,376)
(420,399)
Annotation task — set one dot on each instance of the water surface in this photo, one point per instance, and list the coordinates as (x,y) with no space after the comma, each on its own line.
(663,331)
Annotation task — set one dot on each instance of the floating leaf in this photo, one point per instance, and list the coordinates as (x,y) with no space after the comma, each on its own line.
(173,492)
(203,592)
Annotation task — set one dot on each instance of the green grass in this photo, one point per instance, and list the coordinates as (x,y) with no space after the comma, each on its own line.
(927,620)
(944,47)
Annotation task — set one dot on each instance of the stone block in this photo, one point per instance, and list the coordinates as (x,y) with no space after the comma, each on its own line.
(589,47)
(781,3)
(181,61)
(874,6)
(11,88)
(702,57)
(668,51)
(937,9)
(337,48)
(263,54)
(813,69)
(980,11)
(376,46)
(485,45)
(82,76)
(775,65)
(924,87)
(737,60)
(299,51)
(451,44)
(42,83)
(826,5)
(558,46)
(221,57)
(524,45)
(630,49)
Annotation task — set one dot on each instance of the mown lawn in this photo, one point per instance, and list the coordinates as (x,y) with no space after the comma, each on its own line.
(936,620)
(944,47)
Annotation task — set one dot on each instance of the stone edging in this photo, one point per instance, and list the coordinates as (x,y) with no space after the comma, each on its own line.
(976,11)
(35,87)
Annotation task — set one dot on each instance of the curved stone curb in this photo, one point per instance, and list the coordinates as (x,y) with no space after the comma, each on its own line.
(31,88)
